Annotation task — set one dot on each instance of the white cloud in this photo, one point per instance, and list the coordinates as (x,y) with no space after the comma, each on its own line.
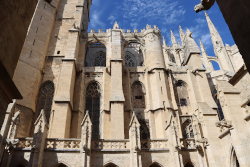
(95,20)
(206,39)
(134,25)
(135,11)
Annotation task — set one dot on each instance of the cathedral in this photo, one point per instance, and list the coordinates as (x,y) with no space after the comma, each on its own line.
(124,98)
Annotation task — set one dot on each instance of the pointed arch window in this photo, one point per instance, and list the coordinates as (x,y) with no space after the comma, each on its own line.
(183,97)
(100,60)
(138,95)
(93,106)
(144,129)
(45,97)
(187,129)
(171,57)
(129,60)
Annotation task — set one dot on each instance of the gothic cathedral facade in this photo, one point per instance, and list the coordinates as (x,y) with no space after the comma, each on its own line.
(119,98)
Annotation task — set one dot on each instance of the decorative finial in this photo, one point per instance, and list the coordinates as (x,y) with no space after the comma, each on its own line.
(173,38)
(164,41)
(116,26)
(182,35)
(206,14)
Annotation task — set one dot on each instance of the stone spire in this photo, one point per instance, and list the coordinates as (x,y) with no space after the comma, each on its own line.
(173,38)
(206,63)
(178,43)
(219,48)
(188,32)
(164,41)
(182,35)
(215,36)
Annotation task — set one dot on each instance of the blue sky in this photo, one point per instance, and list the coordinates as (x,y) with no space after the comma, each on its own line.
(166,14)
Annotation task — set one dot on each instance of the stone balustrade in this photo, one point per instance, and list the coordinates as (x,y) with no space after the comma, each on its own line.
(154,144)
(24,143)
(188,143)
(110,145)
(62,144)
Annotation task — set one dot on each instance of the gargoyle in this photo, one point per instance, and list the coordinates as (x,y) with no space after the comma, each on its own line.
(204,5)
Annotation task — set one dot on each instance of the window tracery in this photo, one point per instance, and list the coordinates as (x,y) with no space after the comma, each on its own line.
(129,60)
(45,97)
(93,106)
(187,129)
(138,96)
(183,97)
(171,57)
(100,60)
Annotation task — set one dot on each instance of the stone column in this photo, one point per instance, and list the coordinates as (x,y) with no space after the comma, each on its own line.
(60,127)
(135,142)
(86,136)
(116,94)
(40,135)
(157,81)
(75,13)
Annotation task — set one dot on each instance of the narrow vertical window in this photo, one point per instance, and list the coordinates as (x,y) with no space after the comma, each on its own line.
(93,106)
(138,95)
(182,92)
(187,129)
(45,98)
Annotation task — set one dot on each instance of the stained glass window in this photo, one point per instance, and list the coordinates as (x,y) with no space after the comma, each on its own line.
(144,129)
(93,106)
(187,129)
(45,98)
(100,60)
(129,60)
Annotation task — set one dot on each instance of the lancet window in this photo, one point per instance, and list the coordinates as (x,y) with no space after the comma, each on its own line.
(93,106)
(187,129)
(45,98)
(144,129)
(129,60)
(171,57)
(138,98)
(100,59)
(182,92)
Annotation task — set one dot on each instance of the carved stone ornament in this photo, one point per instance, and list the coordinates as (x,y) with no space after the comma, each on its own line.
(224,123)
(11,144)
(13,127)
(116,26)
(204,5)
